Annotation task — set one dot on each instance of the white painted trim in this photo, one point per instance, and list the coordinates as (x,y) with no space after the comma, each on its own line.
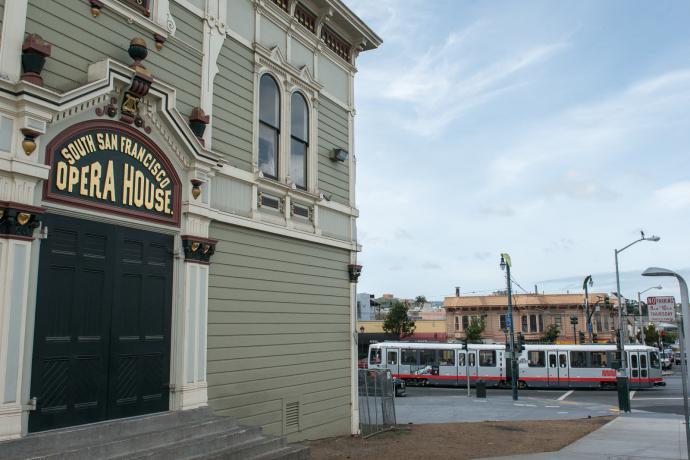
(190,7)
(13,27)
(354,377)
(212,45)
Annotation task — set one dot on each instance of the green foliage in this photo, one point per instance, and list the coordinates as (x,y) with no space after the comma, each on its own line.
(420,300)
(397,322)
(651,336)
(473,333)
(551,333)
(669,338)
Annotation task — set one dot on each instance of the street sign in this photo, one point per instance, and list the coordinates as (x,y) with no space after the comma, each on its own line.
(661,309)
(509,321)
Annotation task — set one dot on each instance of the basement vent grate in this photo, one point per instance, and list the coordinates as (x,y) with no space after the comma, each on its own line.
(292,416)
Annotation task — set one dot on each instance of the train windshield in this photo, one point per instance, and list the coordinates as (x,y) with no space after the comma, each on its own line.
(375,356)
(654,359)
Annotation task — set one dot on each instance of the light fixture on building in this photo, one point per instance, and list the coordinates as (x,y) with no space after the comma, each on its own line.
(196,188)
(339,155)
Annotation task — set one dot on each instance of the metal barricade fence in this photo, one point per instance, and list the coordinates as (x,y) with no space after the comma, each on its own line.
(376,401)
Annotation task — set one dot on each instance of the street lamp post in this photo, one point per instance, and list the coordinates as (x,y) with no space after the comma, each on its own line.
(505,265)
(588,318)
(639,311)
(622,377)
(684,341)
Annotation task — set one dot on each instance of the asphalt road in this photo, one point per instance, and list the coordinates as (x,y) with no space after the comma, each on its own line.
(667,399)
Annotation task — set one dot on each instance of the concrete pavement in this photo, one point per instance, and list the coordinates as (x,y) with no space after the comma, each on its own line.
(460,408)
(630,437)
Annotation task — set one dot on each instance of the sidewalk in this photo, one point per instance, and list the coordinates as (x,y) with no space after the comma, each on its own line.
(628,437)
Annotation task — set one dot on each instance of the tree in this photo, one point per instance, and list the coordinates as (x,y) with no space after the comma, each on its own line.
(397,322)
(474,330)
(651,336)
(669,338)
(551,333)
(419,301)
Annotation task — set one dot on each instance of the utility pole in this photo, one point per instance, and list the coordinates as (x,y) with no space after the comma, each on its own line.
(505,265)
(588,318)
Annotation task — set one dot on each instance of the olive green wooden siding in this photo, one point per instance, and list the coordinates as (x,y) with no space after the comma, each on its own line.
(2,13)
(78,40)
(233,104)
(333,133)
(279,322)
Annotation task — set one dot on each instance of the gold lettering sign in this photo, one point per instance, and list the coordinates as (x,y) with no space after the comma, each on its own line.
(111,166)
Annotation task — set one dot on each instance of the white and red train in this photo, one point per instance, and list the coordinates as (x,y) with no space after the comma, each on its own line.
(539,366)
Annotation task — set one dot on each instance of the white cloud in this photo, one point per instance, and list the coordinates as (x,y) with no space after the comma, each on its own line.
(674,196)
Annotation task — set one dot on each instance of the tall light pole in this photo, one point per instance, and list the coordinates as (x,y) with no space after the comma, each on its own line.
(588,318)
(684,341)
(622,377)
(639,310)
(505,265)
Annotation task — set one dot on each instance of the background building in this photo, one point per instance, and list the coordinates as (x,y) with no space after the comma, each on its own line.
(532,314)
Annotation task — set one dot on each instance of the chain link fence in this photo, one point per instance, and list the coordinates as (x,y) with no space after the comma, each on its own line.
(376,401)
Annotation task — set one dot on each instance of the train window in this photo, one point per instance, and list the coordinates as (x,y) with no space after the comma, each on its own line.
(487,358)
(446,357)
(427,357)
(461,359)
(654,359)
(472,359)
(578,359)
(643,361)
(408,357)
(375,356)
(598,359)
(633,361)
(562,360)
(552,360)
(392,358)
(536,359)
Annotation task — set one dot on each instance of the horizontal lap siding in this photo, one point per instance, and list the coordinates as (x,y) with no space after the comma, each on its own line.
(78,40)
(279,331)
(233,102)
(2,13)
(334,176)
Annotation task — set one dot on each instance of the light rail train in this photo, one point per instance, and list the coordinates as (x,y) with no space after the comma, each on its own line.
(539,366)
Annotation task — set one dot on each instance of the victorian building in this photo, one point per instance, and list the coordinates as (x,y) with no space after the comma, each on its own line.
(532,316)
(177,212)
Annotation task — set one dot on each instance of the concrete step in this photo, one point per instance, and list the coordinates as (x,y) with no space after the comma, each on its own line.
(38,445)
(201,446)
(152,439)
(255,449)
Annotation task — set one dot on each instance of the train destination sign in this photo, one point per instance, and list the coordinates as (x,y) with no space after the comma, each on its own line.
(661,309)
(111,166)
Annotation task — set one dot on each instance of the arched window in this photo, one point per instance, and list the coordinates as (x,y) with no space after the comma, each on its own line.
(269,126)
(299,139)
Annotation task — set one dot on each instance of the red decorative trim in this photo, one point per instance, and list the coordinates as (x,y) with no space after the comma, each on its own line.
(23,207)
(16,237)
(199,239)
(80,203)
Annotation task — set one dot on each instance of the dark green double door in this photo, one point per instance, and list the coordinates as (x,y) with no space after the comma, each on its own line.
(102,328)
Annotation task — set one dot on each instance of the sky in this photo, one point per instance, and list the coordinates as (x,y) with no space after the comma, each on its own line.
(553,131)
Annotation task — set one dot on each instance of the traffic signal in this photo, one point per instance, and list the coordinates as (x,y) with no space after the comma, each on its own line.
(581,335)
(520,345)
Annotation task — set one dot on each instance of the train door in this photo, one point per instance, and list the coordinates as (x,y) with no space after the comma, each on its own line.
(462,368)
(447,370)
(552,363)
(408,358)
(644,369)
(472,365)
(563,369)
(634,365)
(393,360)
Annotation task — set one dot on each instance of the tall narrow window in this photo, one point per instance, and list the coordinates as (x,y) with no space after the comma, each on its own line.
(299,140)
(269,126)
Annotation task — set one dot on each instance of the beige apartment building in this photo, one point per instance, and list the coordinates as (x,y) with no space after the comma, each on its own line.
(532,315)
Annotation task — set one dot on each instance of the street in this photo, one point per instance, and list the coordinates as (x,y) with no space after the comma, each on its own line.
(437,404)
